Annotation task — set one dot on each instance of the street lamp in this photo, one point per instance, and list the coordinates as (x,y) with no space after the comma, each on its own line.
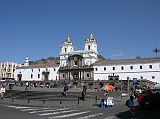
(128,84)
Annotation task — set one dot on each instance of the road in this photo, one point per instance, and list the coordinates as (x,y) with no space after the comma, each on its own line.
(115,112)
(118,111)
(21,112)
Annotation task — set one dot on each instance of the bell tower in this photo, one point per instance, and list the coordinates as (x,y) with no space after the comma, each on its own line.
(26,62)
(66,48)
(90,50)
(91,44)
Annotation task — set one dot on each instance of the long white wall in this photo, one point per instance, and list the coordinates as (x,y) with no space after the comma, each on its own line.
(146,72)
(149,71)
(27,72)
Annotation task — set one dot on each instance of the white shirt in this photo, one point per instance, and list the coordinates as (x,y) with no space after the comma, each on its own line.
(3,90)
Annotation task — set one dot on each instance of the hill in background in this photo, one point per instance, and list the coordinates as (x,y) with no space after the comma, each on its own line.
(44,61)
(54,60)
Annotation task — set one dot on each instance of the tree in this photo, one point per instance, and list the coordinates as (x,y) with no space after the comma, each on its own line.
(156,50)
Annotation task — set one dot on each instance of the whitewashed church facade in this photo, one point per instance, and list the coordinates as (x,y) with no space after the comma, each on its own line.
(84,65)
(89,53)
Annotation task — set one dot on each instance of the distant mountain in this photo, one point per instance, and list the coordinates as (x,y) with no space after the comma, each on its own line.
(48,60)
(54,60)
(100,57)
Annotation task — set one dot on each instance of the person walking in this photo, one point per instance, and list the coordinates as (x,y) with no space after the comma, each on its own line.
(65,89)
(27,86)
(131,106)
(2,92)
(84,90)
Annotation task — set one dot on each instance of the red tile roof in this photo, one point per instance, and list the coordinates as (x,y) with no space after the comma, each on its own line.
(40,65)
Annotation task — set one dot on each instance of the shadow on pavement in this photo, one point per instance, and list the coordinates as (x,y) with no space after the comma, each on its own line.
(141,113)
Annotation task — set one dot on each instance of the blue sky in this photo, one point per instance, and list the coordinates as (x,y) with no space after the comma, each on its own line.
(36,28)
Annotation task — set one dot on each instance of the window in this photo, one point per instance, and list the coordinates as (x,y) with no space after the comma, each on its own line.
(31,76)
(54,69)
(122,68)
(104,68)
(131,67)
(63,75)
(96,69)
(153,77)
(87,75)
(150,66)
(65,49)
(32,70)
(89,47)
(39,70)
(8,70)
(38,75)
(140,66)
(113,68)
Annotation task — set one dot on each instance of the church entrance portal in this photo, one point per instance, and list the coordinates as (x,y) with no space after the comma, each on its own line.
(75,75)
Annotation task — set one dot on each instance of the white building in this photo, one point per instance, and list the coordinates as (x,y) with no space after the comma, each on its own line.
(7,70)
(42,72)
(138,68)
(85,65)
(38,72)
(89,53)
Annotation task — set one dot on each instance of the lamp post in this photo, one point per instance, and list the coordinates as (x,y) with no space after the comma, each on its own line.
(121,90)
(128,85)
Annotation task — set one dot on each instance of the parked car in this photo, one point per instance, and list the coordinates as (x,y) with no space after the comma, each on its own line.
(149,98)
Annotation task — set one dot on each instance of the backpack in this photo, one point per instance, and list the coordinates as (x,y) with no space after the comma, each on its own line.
(127,103)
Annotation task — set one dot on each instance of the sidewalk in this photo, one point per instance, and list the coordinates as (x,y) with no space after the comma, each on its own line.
(45,89)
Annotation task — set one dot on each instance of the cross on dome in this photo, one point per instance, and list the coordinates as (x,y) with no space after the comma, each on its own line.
(68,40)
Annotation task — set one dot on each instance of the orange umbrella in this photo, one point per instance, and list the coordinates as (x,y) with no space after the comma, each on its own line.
(107,88)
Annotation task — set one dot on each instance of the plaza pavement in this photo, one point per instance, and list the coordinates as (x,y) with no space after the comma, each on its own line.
(71,102)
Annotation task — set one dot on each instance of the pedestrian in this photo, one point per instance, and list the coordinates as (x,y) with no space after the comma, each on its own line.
(65,89)
(131,106)
(27,86)
(103,103)
(84,90)
(2,92)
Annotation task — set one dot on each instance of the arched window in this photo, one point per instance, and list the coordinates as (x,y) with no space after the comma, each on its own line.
(65,49)
(31,76)
(89,47)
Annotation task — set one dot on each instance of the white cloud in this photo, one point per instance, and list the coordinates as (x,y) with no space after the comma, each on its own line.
(120,54)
